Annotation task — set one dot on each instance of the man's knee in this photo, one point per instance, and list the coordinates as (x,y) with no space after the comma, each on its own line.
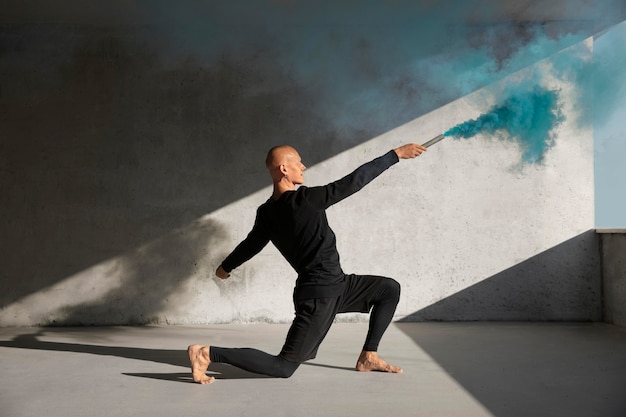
(287,373)
(286,368)
(392,289)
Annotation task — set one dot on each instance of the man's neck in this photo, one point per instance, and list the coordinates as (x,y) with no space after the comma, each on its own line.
(281,187)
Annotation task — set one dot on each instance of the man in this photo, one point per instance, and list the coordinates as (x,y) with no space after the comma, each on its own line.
(294,220)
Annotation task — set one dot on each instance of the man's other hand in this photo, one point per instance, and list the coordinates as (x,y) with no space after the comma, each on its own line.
(221,273)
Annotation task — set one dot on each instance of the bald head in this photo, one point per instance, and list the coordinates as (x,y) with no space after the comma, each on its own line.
(278,155)
(284,162)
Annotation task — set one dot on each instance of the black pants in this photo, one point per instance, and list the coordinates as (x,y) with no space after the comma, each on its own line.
(313,319)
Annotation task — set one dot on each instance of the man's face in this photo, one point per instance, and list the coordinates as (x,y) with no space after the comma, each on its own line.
(294,166)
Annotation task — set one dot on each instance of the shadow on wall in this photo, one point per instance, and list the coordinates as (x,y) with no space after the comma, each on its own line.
(562,283)
(142,282)
(105,148)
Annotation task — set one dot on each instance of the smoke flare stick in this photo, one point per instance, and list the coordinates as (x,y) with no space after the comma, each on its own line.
(433,141)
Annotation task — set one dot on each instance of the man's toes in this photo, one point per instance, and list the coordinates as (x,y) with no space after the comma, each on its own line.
(207,380)
(395,369)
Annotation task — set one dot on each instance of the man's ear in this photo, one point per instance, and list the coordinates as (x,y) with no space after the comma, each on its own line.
(283,169)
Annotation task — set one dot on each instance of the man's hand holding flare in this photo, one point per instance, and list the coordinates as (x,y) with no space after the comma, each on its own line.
(409,151)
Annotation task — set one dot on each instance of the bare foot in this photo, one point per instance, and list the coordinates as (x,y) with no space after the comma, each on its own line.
(370,361)
(199,358)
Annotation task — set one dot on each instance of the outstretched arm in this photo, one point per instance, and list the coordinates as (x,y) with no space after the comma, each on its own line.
(334,192)
(256,240)
(409,151)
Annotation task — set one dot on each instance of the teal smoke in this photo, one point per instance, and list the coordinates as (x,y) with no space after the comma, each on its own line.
(527,118)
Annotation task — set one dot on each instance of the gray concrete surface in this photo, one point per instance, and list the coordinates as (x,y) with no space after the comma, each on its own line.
(613,243)
(451,369)
(121,125)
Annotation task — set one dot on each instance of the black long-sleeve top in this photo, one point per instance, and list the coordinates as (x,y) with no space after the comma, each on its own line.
(297,225)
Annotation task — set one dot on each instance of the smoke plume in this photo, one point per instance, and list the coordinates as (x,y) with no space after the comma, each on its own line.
(527,118)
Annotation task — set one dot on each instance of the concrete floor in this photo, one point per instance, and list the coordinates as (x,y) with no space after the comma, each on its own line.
(451,369)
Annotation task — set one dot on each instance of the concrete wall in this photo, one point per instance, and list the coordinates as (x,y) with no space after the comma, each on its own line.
(462,215)
(131,164)
(614,275)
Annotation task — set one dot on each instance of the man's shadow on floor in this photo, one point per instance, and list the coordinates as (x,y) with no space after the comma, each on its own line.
(166,356)
(220,371)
